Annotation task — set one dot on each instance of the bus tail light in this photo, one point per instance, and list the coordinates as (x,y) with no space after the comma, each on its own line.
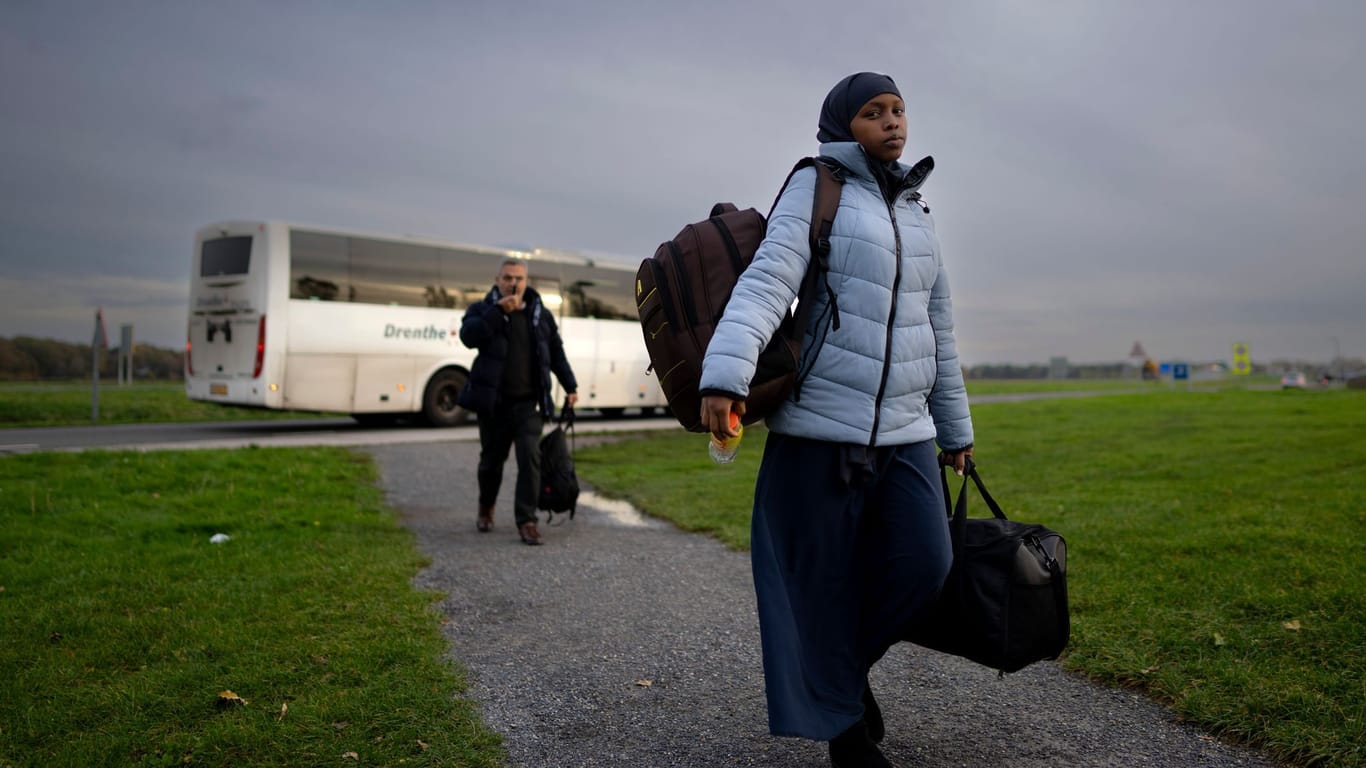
(189,360)
(260,348)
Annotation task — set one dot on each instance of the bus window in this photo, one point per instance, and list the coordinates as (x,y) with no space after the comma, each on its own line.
(466,275)
(548,286)
(225,256)
(402,274)
(599,293)
(318,266)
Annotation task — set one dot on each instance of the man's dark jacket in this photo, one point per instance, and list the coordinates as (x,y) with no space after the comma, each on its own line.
(485,329)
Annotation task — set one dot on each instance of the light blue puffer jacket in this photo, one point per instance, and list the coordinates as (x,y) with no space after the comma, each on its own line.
(873,382)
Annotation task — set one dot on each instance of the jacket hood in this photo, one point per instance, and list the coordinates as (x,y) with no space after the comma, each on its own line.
(850,155)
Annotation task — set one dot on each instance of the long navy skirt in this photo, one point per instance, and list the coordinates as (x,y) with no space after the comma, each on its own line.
(843,560)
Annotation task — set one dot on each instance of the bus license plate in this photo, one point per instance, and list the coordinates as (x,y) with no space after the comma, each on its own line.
(218,389)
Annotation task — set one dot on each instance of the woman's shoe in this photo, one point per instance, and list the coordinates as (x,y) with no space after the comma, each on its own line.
(855,749)
(872,714)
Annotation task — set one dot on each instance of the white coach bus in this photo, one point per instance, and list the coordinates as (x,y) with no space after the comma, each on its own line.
(303,318)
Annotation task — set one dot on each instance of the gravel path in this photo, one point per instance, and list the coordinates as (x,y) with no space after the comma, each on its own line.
(625,642)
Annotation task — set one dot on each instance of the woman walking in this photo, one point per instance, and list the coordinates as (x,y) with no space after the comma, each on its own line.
(849,539)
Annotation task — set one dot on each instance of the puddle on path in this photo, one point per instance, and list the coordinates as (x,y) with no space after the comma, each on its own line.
(617,511)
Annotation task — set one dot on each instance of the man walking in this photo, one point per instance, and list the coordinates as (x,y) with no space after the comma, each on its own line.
(509,389)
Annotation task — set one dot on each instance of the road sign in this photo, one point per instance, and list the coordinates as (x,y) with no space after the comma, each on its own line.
(1242,362)
(1180,371)
(98,342)
(101,337)
(126,354)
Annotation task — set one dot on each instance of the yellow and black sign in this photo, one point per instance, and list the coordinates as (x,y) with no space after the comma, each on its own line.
(1242,363)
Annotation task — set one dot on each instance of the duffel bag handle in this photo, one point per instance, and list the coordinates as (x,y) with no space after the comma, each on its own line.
(960,509)
(982,489)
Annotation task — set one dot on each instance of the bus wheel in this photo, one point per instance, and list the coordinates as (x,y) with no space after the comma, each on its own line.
(440,404)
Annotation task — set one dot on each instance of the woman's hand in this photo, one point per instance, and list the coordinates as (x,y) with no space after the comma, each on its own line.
(956,459)
(716,415)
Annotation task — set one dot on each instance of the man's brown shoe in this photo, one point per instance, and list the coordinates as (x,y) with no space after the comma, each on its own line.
(529,533)
(485,521)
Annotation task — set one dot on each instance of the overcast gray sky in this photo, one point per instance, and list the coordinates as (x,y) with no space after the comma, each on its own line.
(1184,174)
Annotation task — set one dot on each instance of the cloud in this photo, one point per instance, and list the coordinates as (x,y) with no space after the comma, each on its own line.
(65,309)
(1169,171)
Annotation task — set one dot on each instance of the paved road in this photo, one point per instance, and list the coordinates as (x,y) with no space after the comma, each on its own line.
(325,431)
(624,642)
(239,434)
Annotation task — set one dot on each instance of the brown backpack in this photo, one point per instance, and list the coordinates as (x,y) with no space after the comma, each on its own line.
(682,291)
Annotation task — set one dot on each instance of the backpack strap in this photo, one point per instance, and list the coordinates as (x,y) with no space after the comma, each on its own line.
(824,204)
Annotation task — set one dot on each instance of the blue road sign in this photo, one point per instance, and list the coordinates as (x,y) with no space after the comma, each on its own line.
(1180,371)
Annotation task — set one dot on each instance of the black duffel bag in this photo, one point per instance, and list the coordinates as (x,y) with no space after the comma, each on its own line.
(1004,604)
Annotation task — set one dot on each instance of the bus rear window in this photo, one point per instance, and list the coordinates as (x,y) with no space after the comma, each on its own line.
(225,256)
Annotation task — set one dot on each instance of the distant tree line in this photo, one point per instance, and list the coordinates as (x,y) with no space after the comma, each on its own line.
(1345,368)
(1044,371)
(24,358)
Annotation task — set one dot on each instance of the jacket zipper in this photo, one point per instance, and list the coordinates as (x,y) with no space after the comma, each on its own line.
(891,325)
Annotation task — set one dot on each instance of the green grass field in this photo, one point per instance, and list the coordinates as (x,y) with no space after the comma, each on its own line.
(68,404)
(1016,386)
(122,624)
(1216,541)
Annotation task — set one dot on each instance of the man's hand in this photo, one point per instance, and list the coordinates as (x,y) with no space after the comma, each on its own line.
(510,304)
(572,398)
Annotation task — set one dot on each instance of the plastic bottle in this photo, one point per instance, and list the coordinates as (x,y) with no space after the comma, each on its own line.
(723,451)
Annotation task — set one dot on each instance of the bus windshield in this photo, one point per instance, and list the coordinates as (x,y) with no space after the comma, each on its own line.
(225,256)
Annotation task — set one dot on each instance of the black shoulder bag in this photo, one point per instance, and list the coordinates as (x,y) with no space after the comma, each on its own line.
(1004,604)
(559,484)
